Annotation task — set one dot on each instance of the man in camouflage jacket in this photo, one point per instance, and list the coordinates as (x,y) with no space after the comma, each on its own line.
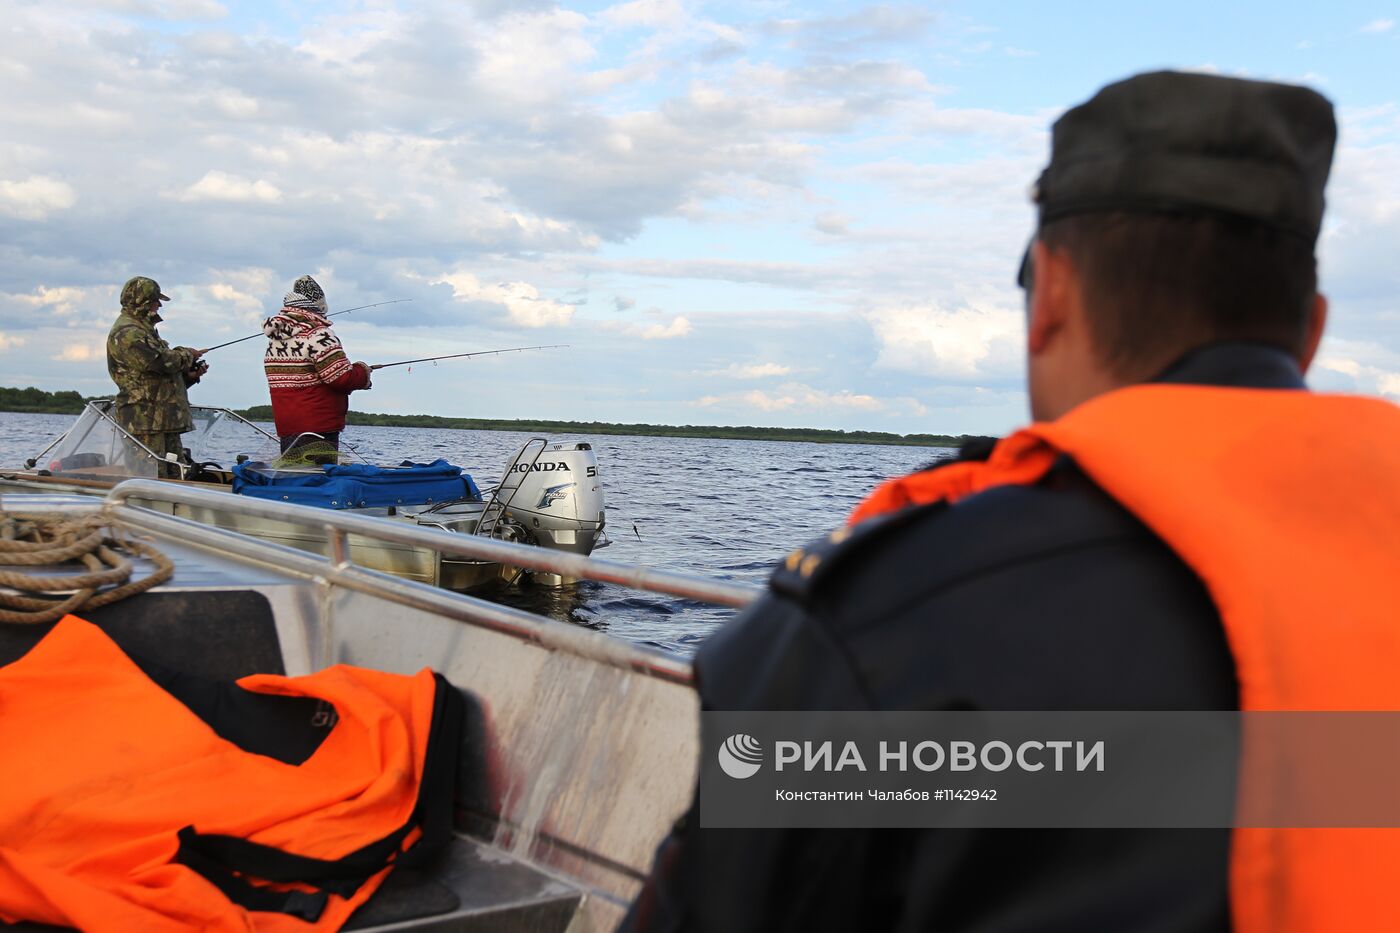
(151,376)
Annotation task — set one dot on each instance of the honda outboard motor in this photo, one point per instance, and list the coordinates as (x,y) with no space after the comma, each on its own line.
(555,498)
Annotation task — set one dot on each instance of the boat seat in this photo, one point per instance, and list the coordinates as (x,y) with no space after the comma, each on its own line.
(227,634)
(491,892)
(217,634)
(474,889)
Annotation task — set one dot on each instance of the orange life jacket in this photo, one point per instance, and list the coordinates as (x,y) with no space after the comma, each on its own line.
(1287,505)
(122,810)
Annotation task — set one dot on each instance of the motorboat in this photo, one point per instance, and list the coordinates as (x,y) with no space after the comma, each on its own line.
(579,749)
(550,495)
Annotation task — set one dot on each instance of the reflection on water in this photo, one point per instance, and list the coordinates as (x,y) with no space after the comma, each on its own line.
(723,508)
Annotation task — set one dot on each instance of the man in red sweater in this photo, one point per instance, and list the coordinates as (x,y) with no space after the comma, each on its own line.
(308,373)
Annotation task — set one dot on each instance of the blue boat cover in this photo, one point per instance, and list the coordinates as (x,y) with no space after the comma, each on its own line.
(357,485)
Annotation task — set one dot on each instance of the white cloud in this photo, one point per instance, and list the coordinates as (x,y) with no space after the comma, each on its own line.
(780,274)
(10,341)
(650,13)
(224,292)
(80,353)
(1026,132)
(35,198)
(221,186)
(256,279)
(870,26)
(236,104)
(531,58)
(63,300)
(750,371)
(1365,190)
(975,340)
(1372,379)
(996,182)
(521,300)
(1379,25)
(1368,366)
(169,10)
(679,327)
(793,396)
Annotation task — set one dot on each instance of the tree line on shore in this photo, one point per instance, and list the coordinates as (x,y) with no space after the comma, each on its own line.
(37,400)
(744,432)
(71,403)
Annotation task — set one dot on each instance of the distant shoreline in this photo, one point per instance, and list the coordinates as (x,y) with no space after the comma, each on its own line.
(37,401)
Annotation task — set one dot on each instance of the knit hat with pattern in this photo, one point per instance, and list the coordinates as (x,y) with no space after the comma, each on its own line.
(307,294)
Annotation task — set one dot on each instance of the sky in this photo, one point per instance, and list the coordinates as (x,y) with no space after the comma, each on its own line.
(761,213)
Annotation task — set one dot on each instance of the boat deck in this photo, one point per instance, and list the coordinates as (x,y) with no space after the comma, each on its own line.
(579,749)
(477,889)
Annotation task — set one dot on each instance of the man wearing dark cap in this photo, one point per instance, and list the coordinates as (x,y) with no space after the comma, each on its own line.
(1183,527)
(151,376)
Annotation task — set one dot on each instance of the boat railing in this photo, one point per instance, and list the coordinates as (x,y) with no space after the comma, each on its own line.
(337,566)
(495,508)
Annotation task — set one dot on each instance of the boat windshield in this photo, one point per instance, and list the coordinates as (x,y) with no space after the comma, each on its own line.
(96,447)
(221,436)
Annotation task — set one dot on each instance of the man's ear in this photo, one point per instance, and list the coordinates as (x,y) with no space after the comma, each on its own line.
(1048,304)
(1317,322)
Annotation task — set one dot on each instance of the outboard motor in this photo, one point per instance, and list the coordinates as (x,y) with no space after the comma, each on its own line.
(556,498)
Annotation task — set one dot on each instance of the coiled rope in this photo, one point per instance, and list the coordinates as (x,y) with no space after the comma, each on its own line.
(50,540)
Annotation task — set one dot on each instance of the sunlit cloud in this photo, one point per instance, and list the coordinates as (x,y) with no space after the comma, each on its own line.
(750,371)
(35,198)
(521,300)
(966,342)
(81,353)
(678,326)
(221,186)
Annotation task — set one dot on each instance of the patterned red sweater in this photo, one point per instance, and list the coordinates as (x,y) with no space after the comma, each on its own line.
(308,374)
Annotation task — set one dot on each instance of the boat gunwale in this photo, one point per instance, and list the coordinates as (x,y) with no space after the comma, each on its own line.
(338,523)
(339,569)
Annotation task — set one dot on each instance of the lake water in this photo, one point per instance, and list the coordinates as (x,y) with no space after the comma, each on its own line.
(722,508)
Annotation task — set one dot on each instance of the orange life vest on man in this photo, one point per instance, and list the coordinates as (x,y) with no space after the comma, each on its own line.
(1287,505)
(122,810)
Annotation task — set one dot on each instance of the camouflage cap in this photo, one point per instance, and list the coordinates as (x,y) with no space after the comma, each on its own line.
(140,291)
(1174,142)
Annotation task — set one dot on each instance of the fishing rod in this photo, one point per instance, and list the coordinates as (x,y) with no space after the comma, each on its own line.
(332,314)
(458,356)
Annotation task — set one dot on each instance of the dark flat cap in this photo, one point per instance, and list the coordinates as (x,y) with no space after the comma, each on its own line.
(1193,143)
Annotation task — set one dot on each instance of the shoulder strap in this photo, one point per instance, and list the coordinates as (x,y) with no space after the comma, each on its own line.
(226,861)
(1020,459)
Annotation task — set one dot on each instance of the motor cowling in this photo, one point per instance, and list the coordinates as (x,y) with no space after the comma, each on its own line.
(557,497)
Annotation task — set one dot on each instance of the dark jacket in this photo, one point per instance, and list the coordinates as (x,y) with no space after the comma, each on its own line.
(151,376)
(1049,597)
